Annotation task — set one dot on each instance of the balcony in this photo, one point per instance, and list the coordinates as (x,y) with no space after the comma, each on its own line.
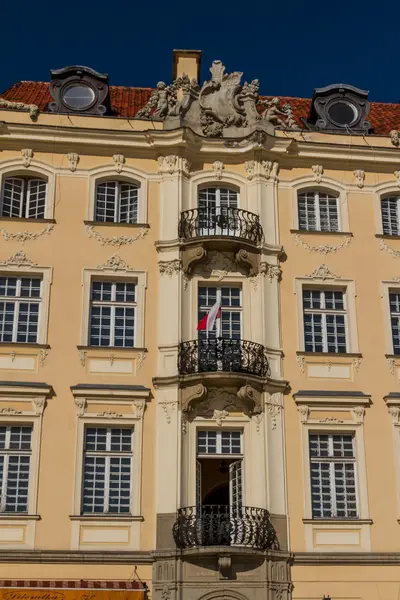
(222,354)
(223,221)
(221,525)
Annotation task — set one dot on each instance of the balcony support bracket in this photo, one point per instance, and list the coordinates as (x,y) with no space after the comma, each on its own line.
(225,566)
(191,256)
(249,260)
(251,398)
(191,394)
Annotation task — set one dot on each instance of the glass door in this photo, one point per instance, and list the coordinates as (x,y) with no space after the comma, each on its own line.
(218,213)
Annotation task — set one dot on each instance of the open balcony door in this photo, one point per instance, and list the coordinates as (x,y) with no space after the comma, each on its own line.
(235,499)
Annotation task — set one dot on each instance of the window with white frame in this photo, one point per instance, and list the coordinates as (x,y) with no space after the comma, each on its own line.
(325,317)
(20,299)
(394,303)
(117,202)
(23,198)
(107,470)
(228,324)
(15,461)
(333,476)
(217,211)
(219,442)
(318,211)
(112,314)
(390,208)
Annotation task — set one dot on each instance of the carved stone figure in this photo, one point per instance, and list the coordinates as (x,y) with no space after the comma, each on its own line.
(273,113)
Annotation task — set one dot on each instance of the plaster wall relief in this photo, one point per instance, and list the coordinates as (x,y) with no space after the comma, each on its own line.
(318,171)
(266,169)
(33,109)
(73,160)
(221,107)
(115,240)
(26,236)
(321,248)
(172,164)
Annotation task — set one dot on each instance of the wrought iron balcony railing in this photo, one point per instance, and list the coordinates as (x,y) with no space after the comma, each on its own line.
(233,222)
(221,525)
(222,354)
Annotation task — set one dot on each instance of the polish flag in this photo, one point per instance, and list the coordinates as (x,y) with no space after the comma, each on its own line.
(207,322)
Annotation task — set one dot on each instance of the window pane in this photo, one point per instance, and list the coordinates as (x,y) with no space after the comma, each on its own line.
(12,198)
(28,322)
(121,440)
(37,192)
(94,484)
(207,442)
(128,211)
(17,484)
(101,291)
(7,311)
(8,286)
(230,442)
(390,216)
(30,288)
(20,438)
(328,213)
(120,485)
(106,198)
(96,438)
(306,210)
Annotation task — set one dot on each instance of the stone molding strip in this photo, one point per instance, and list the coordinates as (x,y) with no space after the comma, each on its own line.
(75,557)
(346,558)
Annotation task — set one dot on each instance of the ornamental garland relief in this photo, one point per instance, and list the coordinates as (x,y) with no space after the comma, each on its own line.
(26,236)
(116,240)
(321,248)
(384,246)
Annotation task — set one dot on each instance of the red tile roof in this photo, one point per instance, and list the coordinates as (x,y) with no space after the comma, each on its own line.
(126,101)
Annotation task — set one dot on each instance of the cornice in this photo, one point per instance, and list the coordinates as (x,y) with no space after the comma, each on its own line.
(150,142)
(75,557)
(347,558)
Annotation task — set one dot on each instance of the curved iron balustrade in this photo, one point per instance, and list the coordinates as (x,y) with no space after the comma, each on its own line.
(234,222)
(221,525)
(222,354)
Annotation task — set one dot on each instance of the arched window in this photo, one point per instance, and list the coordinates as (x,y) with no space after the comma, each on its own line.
(390,207)
(117,202)
(318,211)
(218,211)
(23,197)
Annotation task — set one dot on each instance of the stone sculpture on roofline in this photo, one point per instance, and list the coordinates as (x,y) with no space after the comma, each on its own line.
(222,107)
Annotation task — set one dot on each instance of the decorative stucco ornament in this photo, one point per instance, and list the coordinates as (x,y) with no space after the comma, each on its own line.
(318,171)
(395,137)
(359,174)
(119,161)
(73,160)
(222,107)
(276,115)
(27,155)
(32,108)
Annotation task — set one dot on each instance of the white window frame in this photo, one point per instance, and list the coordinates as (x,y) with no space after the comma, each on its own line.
(219,452)
(107,455)
(17,300)
(7,452)
(117,201)
(206,179)
(217,187)
(386,197)
(37,170)
(318,283)
(129,175)
(387,287)
(45,274)
(125,275)
(26,184)
(331,460)
(236,309)
(324,312)
(130,406)
(317,208)
(329,186)
(113,305)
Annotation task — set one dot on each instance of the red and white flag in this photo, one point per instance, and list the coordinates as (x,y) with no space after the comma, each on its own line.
(207,323)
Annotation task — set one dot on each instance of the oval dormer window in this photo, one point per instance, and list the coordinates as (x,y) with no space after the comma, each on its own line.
(342,113)
(78,96)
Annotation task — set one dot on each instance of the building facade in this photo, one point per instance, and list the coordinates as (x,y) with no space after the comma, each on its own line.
(140,454)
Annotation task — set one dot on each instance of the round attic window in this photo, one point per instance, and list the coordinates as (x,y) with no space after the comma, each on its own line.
(78,96)
(342,113)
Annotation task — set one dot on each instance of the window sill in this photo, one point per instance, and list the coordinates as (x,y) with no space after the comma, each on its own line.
(24,345)
(112,224)
(113,348)
(26,220)
(386,236)
(105,517)
(338,521)
(312,232)
(18,517)
(331,354)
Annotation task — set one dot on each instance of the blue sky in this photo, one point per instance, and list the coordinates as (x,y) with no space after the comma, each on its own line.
(291,47)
